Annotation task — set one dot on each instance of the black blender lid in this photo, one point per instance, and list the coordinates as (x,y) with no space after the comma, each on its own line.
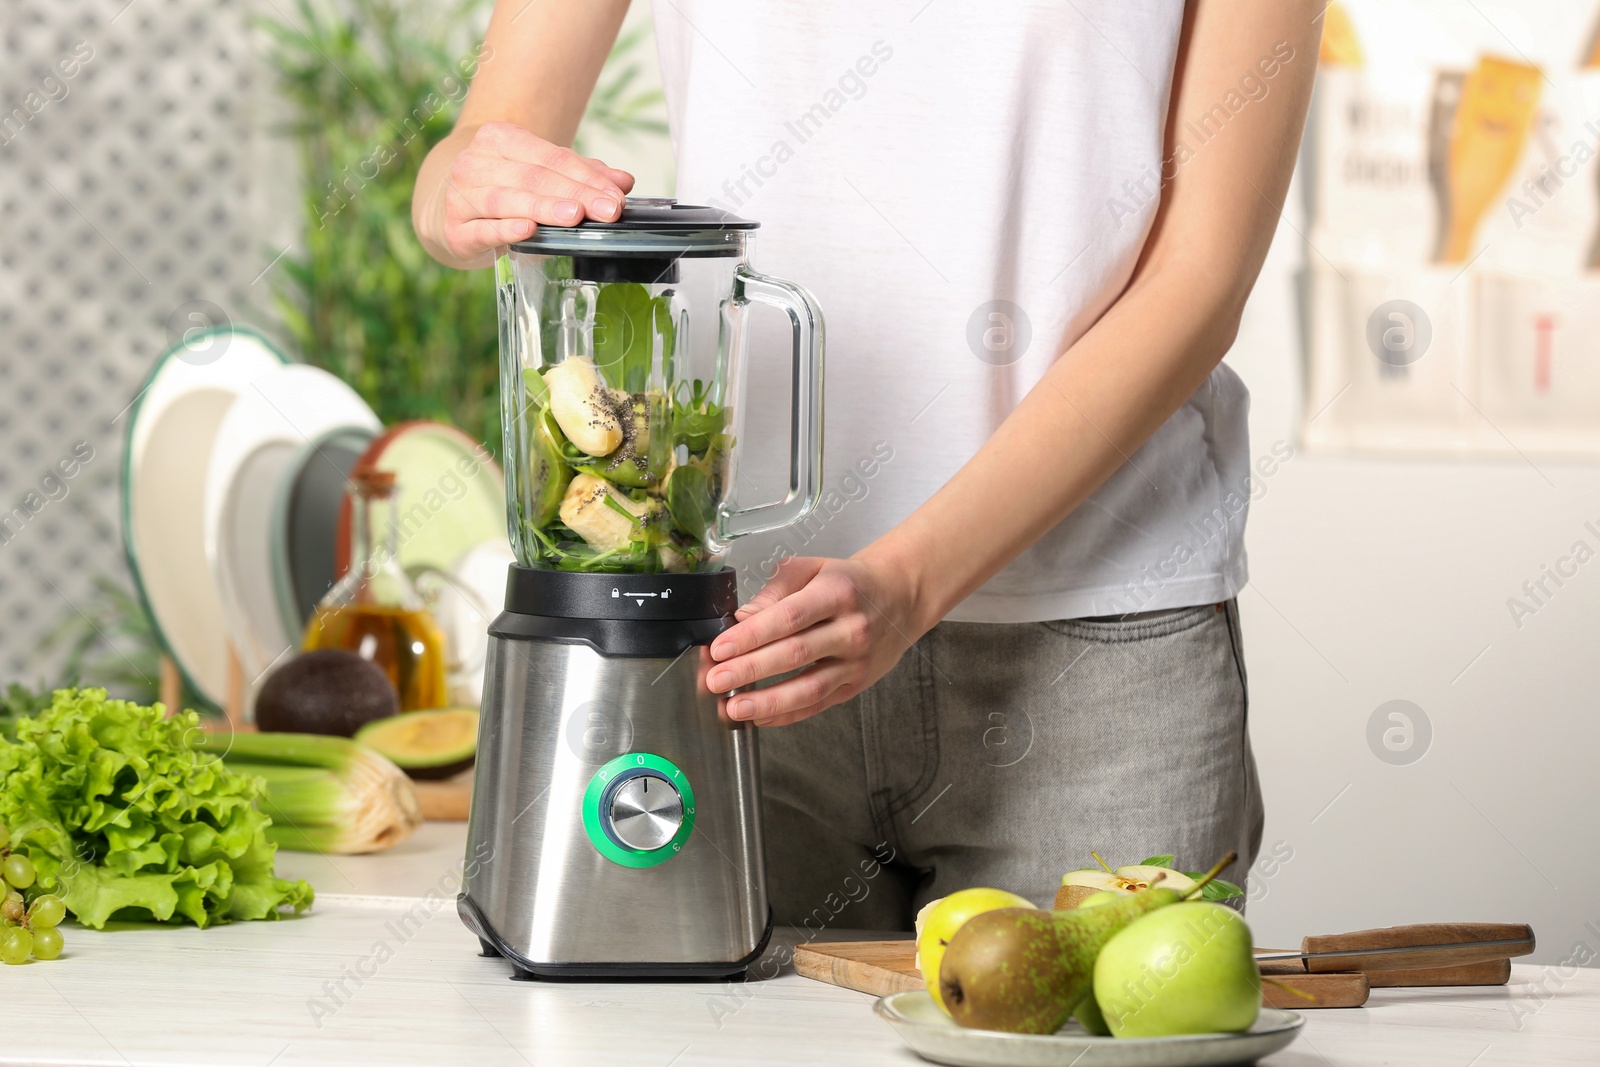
(649,225)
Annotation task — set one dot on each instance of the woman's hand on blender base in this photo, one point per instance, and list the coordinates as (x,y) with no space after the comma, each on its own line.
(850,620)
(508,180)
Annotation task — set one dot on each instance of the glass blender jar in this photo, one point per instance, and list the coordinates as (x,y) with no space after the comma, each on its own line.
(622,352)
(616,827)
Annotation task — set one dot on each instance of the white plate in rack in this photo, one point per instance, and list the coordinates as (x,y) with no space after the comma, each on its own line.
(256,445)
(171,429)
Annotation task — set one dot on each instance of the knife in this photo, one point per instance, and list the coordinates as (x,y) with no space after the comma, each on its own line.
(1418,946)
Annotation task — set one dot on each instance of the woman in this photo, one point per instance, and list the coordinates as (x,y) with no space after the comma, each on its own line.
(1011,637)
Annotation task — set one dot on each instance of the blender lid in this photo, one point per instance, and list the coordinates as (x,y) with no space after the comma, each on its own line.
(650,225)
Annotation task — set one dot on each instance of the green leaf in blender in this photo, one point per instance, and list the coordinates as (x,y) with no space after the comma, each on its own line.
(696,419)
(624,317)
(538,392)
(664,328)
(690,501)
(612,503)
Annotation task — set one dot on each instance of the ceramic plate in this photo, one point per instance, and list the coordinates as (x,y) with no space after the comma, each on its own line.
(932,1035)
(305,521)
(450,496)
(254,448)
(171,428)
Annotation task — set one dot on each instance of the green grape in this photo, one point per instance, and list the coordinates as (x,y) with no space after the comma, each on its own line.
(46,911)
(19,871)
(5,835)
(16,945)
(47,943)
(11,908)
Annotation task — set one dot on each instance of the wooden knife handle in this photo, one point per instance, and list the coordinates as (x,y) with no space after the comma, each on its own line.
(1461,941)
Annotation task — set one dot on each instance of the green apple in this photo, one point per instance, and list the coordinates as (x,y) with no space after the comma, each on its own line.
(1185,969)
(938,922)
(1090,1017)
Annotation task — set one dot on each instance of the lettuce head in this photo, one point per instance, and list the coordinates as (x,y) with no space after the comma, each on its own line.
(125,820)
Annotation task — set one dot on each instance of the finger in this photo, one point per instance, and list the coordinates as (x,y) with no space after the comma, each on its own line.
(621,178)
(788,718)
(811,686)
(468,240)
(795,612)
(499,202)
(517,143)
(832,637)
(490,174)
(790,577)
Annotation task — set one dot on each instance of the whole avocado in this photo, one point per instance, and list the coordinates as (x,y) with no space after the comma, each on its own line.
(329,691)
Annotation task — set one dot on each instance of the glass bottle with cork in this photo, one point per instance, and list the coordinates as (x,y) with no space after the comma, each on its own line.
(374,610)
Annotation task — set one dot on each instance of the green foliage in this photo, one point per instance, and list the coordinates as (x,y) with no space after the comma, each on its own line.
(112,642)
(372,86)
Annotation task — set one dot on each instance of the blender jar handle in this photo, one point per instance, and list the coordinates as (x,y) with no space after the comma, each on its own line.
(805,409)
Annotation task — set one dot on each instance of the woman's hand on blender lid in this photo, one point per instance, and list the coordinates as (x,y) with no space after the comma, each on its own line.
(507,181)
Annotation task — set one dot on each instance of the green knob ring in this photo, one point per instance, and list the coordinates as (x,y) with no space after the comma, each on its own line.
(593,816)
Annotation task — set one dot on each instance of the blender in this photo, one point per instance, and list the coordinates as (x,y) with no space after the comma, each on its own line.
(615,827)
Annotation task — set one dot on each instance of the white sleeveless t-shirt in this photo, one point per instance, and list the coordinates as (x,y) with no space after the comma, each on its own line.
(965,188)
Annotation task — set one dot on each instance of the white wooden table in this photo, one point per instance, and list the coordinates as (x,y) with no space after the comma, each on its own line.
(380,973)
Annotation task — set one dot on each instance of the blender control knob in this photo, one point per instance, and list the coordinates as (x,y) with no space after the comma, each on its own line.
(645,812)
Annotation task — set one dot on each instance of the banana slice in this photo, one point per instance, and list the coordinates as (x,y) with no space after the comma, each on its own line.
(585,511)
(584,406)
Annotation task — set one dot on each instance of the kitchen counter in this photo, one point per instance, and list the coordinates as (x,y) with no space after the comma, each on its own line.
(383,972)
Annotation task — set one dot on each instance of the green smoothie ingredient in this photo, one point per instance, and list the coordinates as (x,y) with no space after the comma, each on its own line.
(108,806)
(621,478)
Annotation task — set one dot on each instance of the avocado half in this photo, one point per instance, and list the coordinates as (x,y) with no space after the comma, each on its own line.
(426,744)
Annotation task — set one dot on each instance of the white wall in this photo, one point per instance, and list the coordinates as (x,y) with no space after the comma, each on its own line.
(1374,580)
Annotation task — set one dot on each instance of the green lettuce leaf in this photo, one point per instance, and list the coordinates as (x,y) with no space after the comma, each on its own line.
(126,821)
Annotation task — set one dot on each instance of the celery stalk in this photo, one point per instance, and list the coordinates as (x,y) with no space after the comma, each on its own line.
(324,794)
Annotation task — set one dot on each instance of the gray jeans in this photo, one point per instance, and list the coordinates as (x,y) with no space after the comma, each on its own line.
(1001,754)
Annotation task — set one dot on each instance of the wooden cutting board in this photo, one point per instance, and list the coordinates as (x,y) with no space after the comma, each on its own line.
(448,800)
(884,967)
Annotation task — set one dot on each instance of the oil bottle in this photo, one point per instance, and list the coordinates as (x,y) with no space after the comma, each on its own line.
(374,610)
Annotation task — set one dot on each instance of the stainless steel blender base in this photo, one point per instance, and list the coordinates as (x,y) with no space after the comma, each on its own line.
(524,970)
(571,741)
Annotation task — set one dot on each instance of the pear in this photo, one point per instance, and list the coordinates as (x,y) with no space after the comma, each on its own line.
(939,921)
(1024,971)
